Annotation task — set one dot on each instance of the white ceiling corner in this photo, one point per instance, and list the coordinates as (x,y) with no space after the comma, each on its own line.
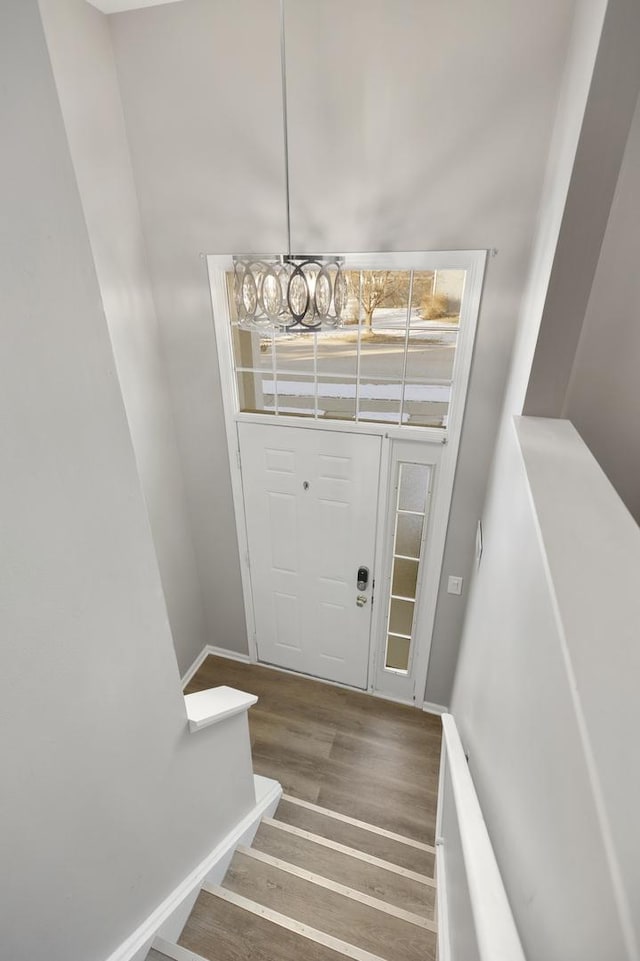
(119,6)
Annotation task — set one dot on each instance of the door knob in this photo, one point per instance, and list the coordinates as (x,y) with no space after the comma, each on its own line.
(361,600)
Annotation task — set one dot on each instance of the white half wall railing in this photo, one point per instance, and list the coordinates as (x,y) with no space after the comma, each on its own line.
(475,922)
(224,709)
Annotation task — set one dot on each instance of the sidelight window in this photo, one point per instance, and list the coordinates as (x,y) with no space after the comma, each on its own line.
(411,506)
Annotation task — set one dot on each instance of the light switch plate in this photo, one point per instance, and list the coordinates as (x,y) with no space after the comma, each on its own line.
(454,585)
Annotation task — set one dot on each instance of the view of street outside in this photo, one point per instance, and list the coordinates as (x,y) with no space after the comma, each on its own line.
(431,349)
(315,374)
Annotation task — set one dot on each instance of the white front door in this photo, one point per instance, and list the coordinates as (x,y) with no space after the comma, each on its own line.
(310,500)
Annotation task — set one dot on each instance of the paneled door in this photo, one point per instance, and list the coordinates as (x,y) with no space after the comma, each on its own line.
(310,500)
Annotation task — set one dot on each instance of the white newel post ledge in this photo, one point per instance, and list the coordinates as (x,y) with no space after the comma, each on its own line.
(216,704)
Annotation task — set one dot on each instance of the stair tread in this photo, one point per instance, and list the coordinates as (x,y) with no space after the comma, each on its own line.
(411,813)
(377,845)
(368,878)
(333,885)
(345,918)
(355,822)
(221,931)
(352,852)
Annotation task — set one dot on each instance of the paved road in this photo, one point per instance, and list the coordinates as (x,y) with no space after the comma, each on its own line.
(428,358)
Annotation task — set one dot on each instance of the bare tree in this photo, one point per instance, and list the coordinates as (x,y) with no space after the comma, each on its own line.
(371,289)
(376,288)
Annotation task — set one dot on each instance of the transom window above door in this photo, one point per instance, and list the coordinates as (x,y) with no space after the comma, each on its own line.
(391,362)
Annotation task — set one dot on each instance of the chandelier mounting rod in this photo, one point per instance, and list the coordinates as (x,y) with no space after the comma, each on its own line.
(282,292)
(285,124)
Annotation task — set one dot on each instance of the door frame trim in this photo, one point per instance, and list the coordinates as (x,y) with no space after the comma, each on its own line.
(474,262)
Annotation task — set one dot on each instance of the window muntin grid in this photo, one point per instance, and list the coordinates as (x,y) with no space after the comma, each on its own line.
(389,364)
(410,518)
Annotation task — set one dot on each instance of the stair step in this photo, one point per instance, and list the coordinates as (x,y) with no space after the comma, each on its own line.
(340,889)
(224,926)
(378,842)
(336,815)
(328,911)
(353,852)
(360,873)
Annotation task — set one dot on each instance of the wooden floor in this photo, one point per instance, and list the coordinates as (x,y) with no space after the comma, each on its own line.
(349,752)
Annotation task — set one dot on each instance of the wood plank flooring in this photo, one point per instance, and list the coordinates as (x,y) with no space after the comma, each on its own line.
(368,878)
(374,844)
(346,751)
(343,918)
(223,930)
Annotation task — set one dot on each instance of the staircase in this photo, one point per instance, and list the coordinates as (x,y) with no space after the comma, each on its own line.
(316,885)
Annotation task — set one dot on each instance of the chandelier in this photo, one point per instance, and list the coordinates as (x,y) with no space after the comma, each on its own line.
(289,293)
(283,292)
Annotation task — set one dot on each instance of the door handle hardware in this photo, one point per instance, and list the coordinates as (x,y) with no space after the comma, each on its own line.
(362,578)
(361,600)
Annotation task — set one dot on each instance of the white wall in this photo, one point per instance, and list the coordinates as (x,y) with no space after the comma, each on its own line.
(575,94)
(107,802)
(79,44)
(201,91)
(544,695)
(614,90)
(603,400)
(535,688)
(413,126)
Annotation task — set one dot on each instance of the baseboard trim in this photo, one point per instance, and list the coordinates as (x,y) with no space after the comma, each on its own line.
(217,652)
(168,919)
(444,945)
(230,655)
(430,708)
(200,659)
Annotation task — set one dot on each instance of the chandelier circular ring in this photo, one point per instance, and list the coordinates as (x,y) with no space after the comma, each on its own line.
(290,293)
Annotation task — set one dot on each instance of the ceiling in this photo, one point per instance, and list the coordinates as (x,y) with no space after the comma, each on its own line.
(118,6)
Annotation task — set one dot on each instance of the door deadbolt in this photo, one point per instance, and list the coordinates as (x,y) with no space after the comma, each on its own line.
(305,485)
(363,578)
